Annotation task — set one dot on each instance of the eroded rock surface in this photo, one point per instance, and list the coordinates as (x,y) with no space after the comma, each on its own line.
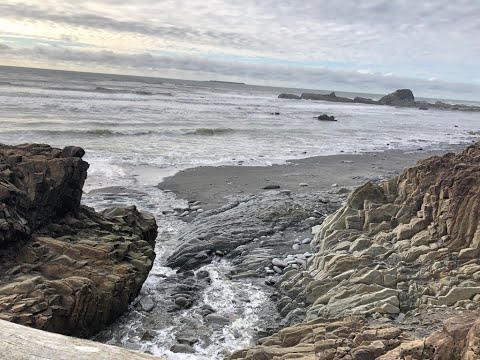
(262,218)
(65,268)
(402,254)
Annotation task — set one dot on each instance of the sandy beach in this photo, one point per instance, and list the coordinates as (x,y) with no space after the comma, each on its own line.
(214,185)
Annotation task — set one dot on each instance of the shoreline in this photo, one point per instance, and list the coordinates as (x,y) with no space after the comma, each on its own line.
(213,186)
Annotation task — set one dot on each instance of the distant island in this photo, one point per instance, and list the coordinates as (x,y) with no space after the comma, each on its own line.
(227,82)
(399,98)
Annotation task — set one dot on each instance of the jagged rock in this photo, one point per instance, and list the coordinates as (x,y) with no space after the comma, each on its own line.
(402,97)
(65,268)
(403,246)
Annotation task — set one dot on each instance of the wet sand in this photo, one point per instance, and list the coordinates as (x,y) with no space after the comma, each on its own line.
(214,185)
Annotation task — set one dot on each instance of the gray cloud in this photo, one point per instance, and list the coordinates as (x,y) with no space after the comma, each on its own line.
(185,33)
(407,38)
(305,76)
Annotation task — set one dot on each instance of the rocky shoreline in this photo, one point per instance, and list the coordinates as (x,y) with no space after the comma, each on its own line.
(320,273)
(399,98)
(389,267)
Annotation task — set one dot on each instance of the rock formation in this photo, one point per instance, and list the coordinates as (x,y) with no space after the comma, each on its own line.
(329,97)
(402,97)
(65,268)
(325,117)
(399,98)
(403,256)
(288,96)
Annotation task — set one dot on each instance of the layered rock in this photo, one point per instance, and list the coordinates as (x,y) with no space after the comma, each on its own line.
(404,252)
(231,228)
(65,268)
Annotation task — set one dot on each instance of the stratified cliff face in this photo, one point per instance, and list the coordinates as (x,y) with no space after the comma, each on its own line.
(37,184)
(64,267)
(405,256)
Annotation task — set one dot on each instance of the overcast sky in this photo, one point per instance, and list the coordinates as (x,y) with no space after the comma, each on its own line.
(432,47)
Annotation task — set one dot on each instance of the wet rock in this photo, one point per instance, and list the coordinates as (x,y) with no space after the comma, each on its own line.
(250,219)
(183,302)
(147,303)
(217,319)
(182,348)
(271,187)
(325,117)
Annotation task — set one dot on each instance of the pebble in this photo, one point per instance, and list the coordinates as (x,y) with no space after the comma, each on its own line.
(185,213)
(182,301)
(194,208)
(334,185)
(295,247)
(277,270)
(219,253)
(303,184)
(279,263)
(306,241)
(200,210)
(182,348)
(147,303)
(217,319)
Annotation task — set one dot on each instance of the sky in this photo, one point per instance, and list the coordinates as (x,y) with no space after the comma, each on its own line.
(374,46)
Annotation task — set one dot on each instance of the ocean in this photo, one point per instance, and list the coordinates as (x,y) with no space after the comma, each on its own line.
(136,130)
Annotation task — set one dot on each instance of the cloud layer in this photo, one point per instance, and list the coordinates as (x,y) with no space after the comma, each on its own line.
(371,46)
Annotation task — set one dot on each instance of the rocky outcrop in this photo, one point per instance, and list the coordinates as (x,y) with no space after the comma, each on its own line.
(288,96)
(259,219)
(403,253)
(325,117)
(65,268)
(37,184)
(399,98)
(362,100)
(329,97)
(402,97)
(21,343)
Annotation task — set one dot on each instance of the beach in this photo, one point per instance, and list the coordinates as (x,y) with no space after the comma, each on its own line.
(214,186)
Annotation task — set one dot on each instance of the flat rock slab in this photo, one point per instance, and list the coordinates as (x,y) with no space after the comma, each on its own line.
(20,342)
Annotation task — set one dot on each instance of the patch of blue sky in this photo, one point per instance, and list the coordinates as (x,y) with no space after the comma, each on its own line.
(22,41)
